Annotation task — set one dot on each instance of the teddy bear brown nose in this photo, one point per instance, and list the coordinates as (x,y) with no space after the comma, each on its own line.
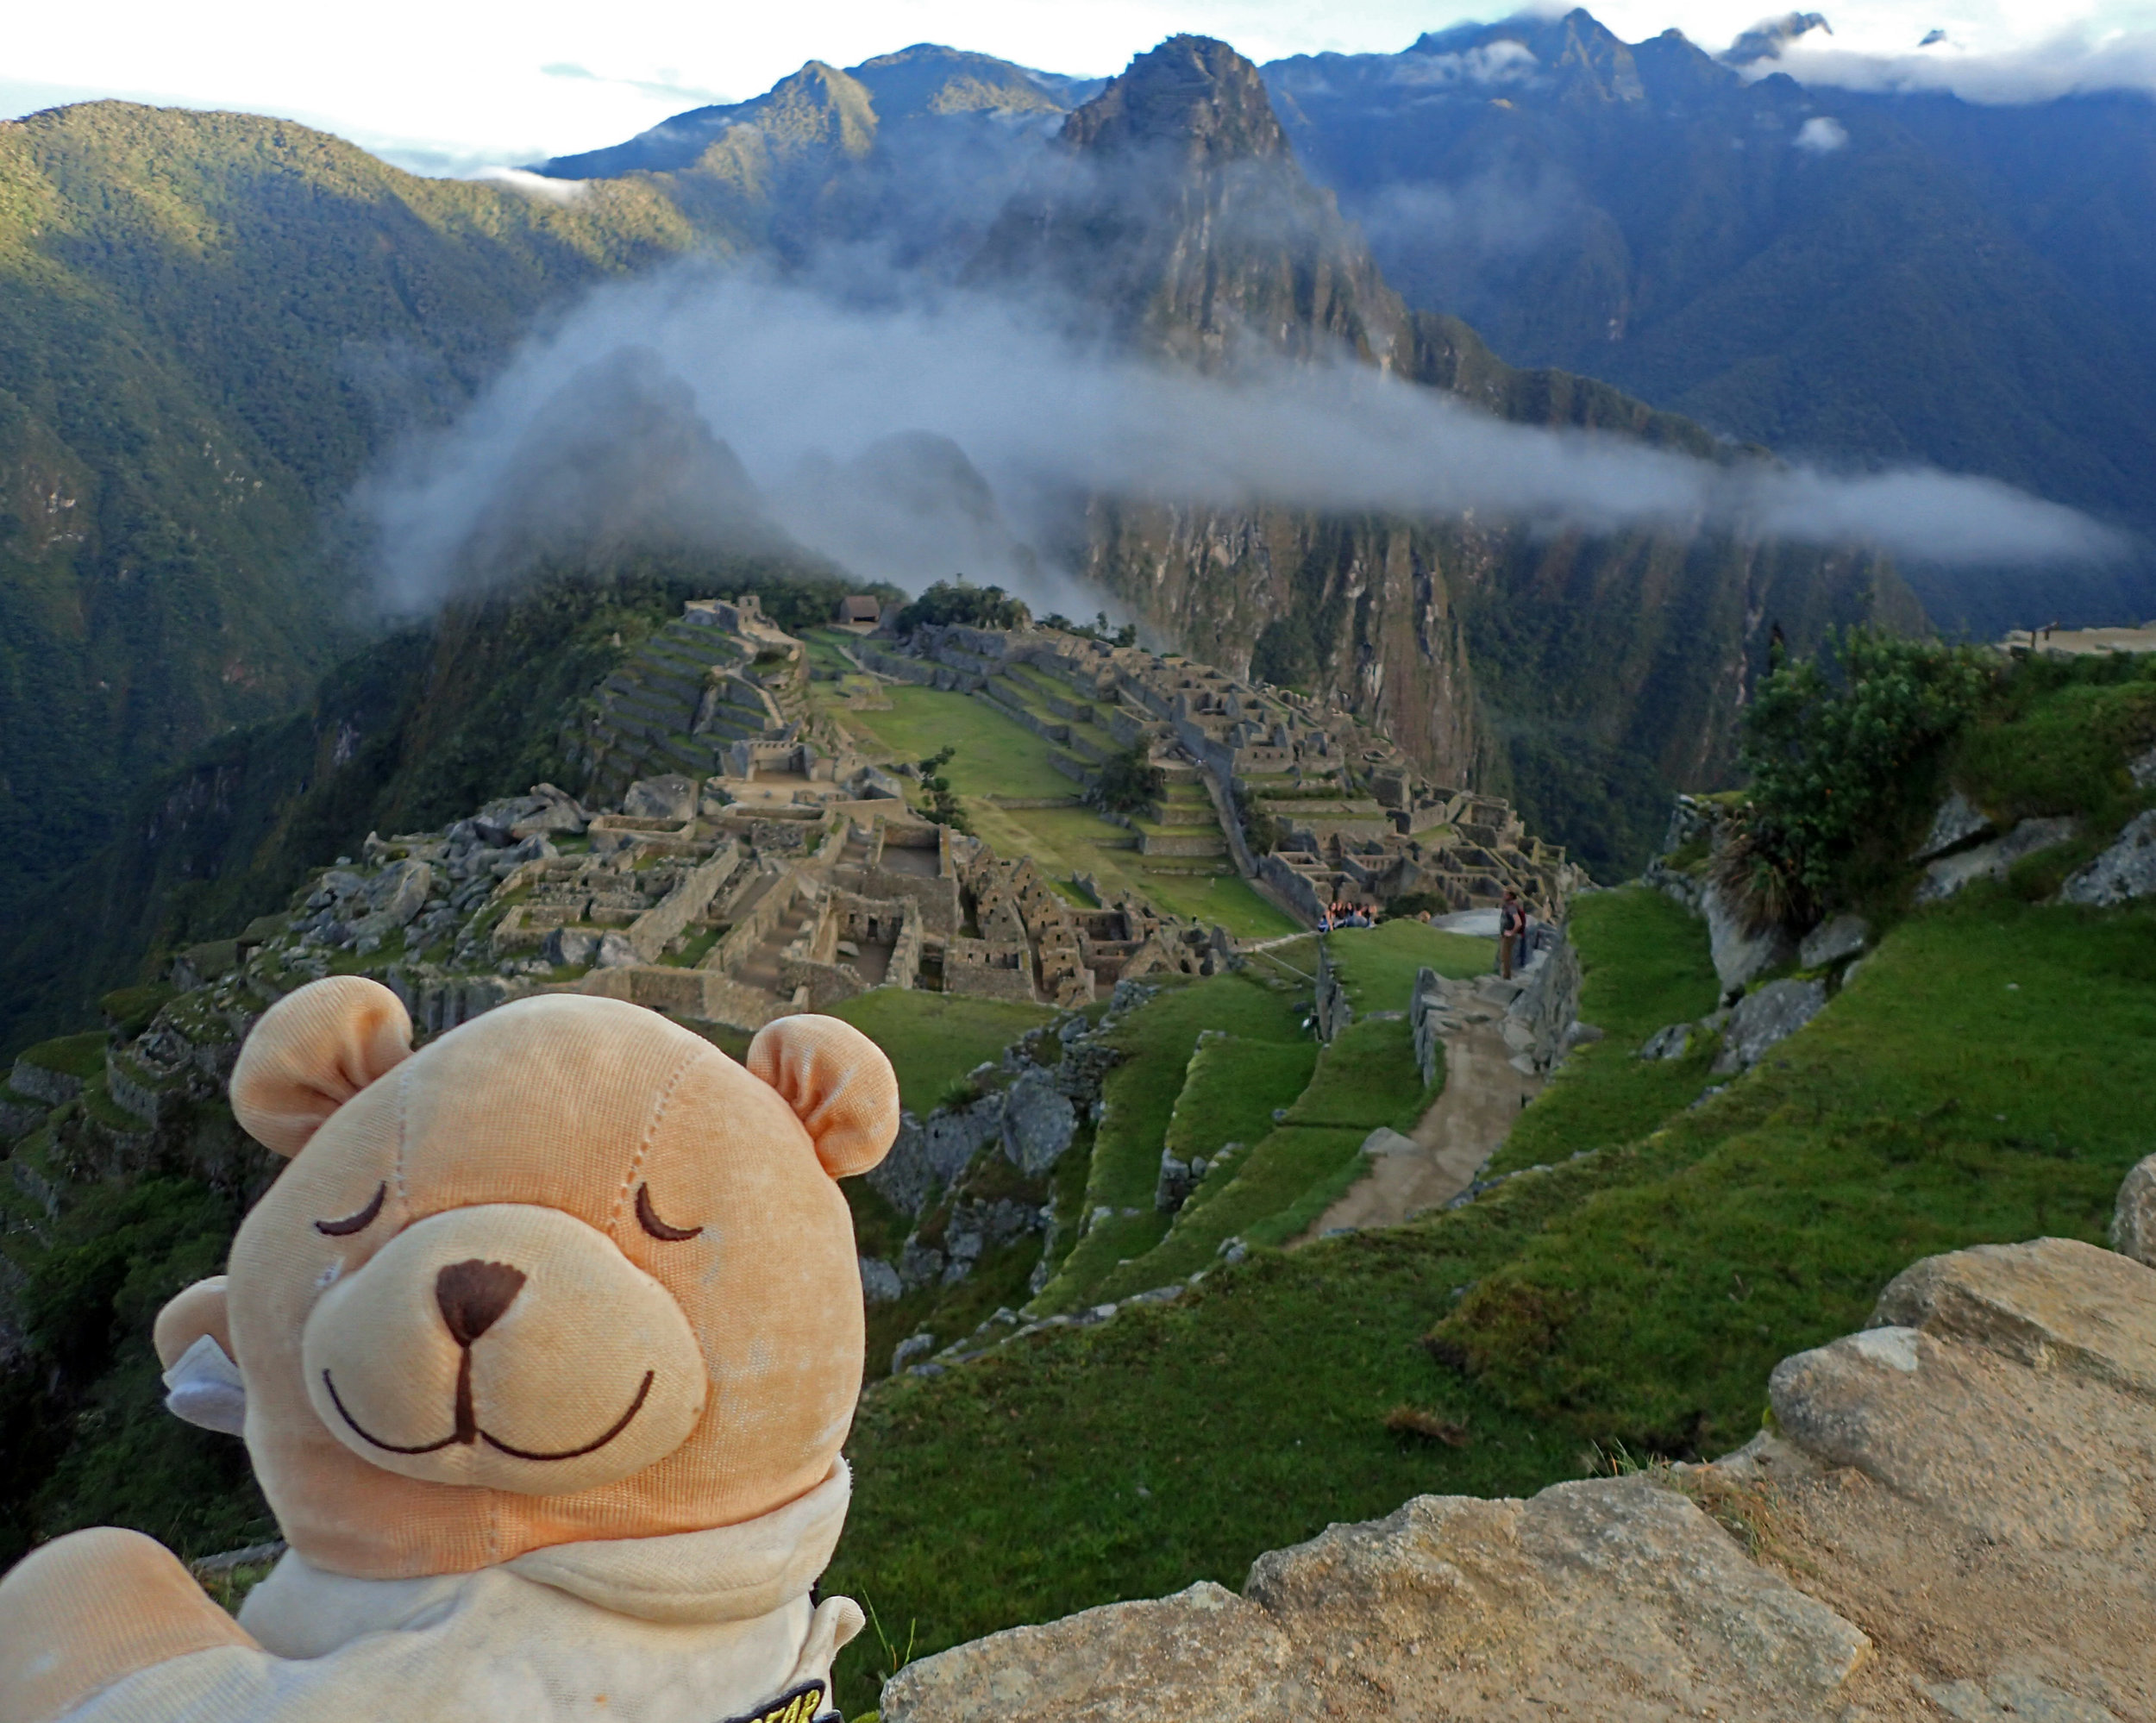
(474,1294)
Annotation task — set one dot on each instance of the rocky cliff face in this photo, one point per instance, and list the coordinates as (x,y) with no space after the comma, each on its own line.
(1952,1519)
(1582,675)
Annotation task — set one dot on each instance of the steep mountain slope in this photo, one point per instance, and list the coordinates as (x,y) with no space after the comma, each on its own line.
(915,151)
(1876,279)
(210,323)
(1585,676)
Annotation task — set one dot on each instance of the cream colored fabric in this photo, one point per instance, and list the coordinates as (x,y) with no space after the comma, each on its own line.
(704,1642)
(599,1112)
(313,1051)
(589,1363)
(85,1610)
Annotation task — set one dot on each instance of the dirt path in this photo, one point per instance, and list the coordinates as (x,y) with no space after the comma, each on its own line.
(1464,1126)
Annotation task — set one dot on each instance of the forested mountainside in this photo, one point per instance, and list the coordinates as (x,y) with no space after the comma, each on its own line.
(211,324)
(1585,675)
(1877,278)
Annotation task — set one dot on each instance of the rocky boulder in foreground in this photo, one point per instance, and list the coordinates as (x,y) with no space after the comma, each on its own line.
(1953,1521)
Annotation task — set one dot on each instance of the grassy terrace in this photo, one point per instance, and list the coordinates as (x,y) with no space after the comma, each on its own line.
(1983,1078)
(999,756)
(1140,1097)
(1647,966)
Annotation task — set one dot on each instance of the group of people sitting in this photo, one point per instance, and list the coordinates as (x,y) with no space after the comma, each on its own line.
(1341,914)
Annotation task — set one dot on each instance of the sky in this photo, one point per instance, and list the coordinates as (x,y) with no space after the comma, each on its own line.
(445,87)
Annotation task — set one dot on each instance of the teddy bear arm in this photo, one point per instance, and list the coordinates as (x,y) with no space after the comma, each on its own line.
(91,1608)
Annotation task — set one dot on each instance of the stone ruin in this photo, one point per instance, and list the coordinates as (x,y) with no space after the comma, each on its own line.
(1350,816)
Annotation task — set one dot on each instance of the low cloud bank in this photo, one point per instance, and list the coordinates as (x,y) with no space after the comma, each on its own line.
(2077,61)
(910,434)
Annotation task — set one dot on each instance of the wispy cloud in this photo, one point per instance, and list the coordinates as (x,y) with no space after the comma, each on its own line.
(793,378)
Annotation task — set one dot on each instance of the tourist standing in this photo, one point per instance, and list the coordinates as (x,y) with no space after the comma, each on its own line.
(1512,924)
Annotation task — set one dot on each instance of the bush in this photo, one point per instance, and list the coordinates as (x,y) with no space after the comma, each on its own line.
(944,807)
(1844,761)
(1129,780)
(956,602)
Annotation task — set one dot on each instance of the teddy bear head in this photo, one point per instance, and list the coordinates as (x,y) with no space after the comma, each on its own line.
(569,1272)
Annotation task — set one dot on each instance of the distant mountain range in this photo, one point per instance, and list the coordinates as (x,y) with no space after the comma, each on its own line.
(213,327)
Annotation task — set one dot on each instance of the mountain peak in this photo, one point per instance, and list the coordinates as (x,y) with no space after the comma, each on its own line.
(1192,94)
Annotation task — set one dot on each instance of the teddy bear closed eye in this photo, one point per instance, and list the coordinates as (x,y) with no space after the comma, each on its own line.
(544,1345)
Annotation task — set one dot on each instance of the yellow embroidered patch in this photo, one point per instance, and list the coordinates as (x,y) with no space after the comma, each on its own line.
(799,1706)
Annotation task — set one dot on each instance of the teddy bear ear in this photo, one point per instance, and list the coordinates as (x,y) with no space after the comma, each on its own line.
(838,1084)
(313,1051)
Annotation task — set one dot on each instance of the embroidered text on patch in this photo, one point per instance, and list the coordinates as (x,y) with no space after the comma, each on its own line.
(797,1707)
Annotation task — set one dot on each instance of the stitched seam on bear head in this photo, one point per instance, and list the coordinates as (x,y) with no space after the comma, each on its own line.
(643,1146)
(404,1115)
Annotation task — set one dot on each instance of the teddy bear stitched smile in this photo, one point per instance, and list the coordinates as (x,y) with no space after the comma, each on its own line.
(503,1343)
(473,1296)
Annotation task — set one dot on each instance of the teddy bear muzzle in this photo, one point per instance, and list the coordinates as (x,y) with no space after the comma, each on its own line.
(506,1346)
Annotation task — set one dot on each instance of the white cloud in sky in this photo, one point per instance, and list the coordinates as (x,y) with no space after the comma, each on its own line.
(1821,135)
(445,86)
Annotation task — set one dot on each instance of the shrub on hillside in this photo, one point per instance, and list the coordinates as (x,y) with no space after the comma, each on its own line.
(957,602)
(1843,750)
(1129,780)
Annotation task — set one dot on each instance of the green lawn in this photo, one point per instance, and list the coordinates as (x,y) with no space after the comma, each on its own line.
(1984,1078)
(1296,1170)
(1139,1097)
(1377,965)
(996,756)
(933,1038)
(1647,966)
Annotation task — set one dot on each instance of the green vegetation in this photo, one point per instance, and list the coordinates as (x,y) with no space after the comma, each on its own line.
(932,1039)
(415,730)
(1377,965)
(949,602)
(80,1056)
(210,325)
(1983,1078)
(1844,766)
(993,757)
(1130,781)
(1647,966)
(1139,1100)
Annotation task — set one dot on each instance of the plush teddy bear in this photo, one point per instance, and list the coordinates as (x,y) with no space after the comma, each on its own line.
(544,1346)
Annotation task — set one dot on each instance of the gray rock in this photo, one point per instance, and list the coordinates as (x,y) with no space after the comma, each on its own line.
(1386,1141)
(1586,1591)
(671,797)
(1832,940)
(1763,1018)
(2142,768)
(1172,1188)
(615,952)
(1990,860)
(42,1083)
(920,1265)
(1958,821)
(574,947)
(18,1118)
(2005,1392)
(880,1282)
(1741,954)
(1038,1121)
(930,1153)
(2124,872)
(2134,1221)
(913,1346)
(1673,1043)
